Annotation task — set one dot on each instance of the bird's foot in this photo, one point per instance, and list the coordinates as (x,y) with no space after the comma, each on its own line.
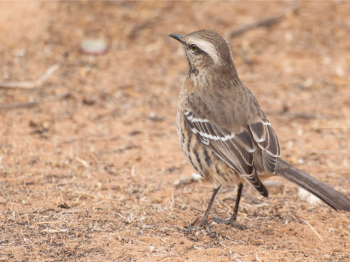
(231,221)
(190,229)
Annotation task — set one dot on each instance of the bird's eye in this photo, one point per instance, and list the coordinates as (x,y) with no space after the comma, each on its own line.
(194,47)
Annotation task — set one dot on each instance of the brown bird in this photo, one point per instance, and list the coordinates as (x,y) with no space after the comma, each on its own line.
(223,132)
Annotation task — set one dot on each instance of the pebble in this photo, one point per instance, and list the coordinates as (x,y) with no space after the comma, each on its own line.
(196,176)
(93,46)
(272,183)
(188,179)
(306,196)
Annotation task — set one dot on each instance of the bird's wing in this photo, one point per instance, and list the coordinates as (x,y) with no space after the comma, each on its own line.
(234,148)
(266,138)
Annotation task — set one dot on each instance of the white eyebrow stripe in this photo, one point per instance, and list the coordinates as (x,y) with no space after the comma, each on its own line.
(209,48)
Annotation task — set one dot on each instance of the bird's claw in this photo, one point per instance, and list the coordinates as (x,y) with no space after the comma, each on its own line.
(191,229)
(231,221)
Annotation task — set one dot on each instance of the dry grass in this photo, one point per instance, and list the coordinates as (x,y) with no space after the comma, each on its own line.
(87,173)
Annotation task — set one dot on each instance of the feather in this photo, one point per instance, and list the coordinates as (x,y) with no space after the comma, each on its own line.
(236,150)
(267,140)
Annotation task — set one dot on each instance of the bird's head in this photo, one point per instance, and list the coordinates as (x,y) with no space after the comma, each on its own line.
(205,49)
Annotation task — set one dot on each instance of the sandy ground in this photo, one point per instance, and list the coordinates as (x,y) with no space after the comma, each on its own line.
(88,173)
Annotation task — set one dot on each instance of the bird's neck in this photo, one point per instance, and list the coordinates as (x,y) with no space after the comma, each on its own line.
(220,77)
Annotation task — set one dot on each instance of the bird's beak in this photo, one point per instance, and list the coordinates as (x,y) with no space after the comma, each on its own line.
(178,37)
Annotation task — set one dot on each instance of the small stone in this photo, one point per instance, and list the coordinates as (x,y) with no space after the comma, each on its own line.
(301,161)
(94,46)
(300,132)
(152,114)
(183,181)
(308,82)
(186,180)
(88,101)
(272,183)
(326,60)
(339,71)
(196,176)
(293,160)
(19,52)
(288,37)
(306,196)
(46,125)
(151,249)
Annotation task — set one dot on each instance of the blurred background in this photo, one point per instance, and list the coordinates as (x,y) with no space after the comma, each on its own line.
(88,148)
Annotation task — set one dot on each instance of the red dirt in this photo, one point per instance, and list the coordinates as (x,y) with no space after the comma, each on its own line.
(90,176)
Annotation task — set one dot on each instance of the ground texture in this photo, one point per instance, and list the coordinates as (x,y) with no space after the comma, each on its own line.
(87,172)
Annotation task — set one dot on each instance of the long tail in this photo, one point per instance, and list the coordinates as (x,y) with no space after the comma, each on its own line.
(330,196)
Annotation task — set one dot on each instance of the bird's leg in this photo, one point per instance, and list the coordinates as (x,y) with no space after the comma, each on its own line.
(204,222)
(232,220)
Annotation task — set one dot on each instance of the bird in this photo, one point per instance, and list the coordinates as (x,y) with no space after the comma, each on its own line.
(225,135)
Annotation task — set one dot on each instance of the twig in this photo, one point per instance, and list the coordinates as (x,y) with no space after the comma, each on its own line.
(49,222)
(101,116)
(245,57)
(86,194)
(305,115)
(31,104)
(168,229)
(263,22)
(84,162)
(19,105)
(256,256)
(55,231)
(302,115)
(30,85)
(120,149)
(314,230)
(111,235)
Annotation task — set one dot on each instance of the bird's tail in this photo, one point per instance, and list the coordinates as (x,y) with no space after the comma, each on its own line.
(330,196)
